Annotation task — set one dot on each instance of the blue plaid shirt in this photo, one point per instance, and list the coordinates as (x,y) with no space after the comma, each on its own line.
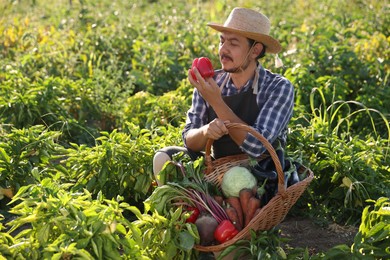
(275,99)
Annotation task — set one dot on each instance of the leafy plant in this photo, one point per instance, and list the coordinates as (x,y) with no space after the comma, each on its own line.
(182,184)
(53,222)
(149,111)
(261,245)
(85,80)
(27,155)
(373,239)
(350,169)
(6,242)
(119,164)
(167,237)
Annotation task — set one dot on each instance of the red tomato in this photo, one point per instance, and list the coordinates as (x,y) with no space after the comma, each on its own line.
(225,231)
(204,66)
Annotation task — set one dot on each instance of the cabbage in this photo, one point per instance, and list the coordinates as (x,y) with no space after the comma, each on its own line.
(236,179)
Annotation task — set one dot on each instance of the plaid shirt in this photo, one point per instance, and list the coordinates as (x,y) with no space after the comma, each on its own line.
(275,99)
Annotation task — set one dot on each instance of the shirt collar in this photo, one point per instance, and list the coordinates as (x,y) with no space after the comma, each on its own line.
(221,76)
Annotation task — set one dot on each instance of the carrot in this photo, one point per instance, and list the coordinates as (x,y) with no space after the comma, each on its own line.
(245,195)
(233,216)
(253,205)
(235,203)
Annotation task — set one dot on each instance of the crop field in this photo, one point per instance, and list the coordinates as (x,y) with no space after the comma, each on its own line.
(90,90)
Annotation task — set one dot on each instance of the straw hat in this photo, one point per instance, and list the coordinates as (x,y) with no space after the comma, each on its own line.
(251,24)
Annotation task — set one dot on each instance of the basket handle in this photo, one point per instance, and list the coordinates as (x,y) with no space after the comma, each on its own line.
(263,140)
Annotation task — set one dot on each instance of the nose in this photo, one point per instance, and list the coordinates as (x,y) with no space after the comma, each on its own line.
(222,46)
(224,49)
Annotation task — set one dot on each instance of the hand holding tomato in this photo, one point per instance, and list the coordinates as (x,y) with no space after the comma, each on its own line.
(204,67)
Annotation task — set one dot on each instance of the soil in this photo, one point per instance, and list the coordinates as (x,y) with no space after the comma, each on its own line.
(305,233)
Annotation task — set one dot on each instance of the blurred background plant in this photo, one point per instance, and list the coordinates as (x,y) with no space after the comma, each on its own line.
(89,90)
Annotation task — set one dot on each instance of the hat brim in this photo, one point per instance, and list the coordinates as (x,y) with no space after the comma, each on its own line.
(273,46)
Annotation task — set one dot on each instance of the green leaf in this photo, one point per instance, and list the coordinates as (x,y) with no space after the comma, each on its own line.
(378,232)
(121,229)
(339,252)
(166,235)
(175,216)
(186,240)
(99,245)
(227,251)
(4,155)
(385,211)
(159,198)
(95,248)
(43,234)
(193,230)
(142,184)
(135,211)
(83,242)
(57,256)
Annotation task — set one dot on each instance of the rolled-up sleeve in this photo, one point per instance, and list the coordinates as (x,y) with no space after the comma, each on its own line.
(196,115)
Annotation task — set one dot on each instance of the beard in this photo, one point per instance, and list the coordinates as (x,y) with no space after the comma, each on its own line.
(240,68)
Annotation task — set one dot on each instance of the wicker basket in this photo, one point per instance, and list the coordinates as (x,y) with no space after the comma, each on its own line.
(276,209)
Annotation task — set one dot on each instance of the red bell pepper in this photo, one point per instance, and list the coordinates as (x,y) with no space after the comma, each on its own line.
(225,231)
(204,67)
(194,215)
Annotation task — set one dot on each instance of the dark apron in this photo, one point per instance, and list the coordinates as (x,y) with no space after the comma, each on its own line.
(244,105)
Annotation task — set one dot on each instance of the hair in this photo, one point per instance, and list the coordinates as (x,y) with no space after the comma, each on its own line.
(262,53)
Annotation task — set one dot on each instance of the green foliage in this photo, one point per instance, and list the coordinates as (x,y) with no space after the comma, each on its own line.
(373,239)
(91,89)
(118,165)
(334,43)
(54,222)
(348,168)
(6,241)
(57,223)
(27,155)
(109,55)
(261,245)
(60,104)
(167,237)
(150,111)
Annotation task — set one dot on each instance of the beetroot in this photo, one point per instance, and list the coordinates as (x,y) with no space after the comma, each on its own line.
(206,225)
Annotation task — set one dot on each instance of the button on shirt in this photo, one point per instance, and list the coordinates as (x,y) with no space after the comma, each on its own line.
(275,99)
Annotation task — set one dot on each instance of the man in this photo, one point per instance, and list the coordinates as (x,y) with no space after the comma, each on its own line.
(241,92)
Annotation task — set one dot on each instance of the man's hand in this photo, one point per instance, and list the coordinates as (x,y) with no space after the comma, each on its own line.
(196,138)
(216,129)
(208,88)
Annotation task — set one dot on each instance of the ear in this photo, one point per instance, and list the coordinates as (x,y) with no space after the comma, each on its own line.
(257,49)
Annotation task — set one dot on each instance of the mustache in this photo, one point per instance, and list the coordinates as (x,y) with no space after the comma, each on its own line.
(224,56)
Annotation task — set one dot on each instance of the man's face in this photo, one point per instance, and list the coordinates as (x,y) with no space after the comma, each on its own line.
(233,51)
